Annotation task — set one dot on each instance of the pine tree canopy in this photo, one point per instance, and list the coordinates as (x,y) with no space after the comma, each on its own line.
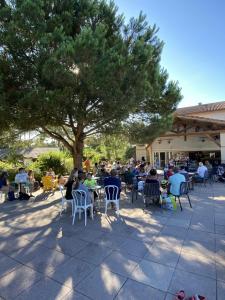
(74,68)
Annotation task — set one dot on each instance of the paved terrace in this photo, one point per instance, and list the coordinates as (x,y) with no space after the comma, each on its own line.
(141,255)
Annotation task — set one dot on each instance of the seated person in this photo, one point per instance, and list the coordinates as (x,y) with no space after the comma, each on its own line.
(200,172)
(128,177)
(142,172)
(175,182)
(102,172)
(135,171)
(69,184)
(184,172)
(4,184)
(89,181)
(21,176)
(152,177)
(31,181)
(113,180)
(51,173)
(95,169)
(169,172)
(61,180)
(78,184)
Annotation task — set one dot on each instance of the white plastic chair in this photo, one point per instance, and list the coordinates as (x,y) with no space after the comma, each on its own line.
(111,196)
(65,201)
(80,204)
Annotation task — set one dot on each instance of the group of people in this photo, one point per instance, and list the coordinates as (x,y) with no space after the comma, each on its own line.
(79,180)
(24,180)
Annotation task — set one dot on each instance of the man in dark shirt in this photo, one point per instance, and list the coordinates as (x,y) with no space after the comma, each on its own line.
(113,180)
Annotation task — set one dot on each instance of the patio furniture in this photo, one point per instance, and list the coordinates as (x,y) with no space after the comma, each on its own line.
(112,196)
(152,191)
(184,191)
(65,201)
(81,205)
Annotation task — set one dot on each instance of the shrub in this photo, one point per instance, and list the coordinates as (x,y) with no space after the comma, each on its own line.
(56,160)
(10,168)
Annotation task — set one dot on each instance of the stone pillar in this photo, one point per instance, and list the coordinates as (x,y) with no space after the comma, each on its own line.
(222,147)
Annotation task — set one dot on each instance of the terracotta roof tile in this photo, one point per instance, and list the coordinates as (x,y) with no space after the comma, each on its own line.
(201,108)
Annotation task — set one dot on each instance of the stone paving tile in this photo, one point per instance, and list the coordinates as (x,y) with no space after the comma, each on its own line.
(169,297)
(7,264)
(151,234)
(164,256)
(13,283)
(220,290)
(185,222)
(121,263)
(197,264)
(69,245)
(219,219)
(93,253)
(134,247)
(101,284)
(156,275)
(88,235)
(220,229)
(12,244)
(174,231)
(110,240)
(220,269)
(74,295)
(200,236)
(72,272)
(44,289)
(133,290)
(40,258)
(199,248)
(193,284)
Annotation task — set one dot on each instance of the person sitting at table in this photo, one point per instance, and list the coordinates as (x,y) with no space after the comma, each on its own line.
(78,184)
(152,177)
(169,172)
(200,172)
(95,169)
(89,181)
(113,180)
(184,172)
(175,182)
(135,171)
(69,184)
(141,172)
(31,181)
(21,178)
(61,180)
(102,172)
(4,184)
(51,173)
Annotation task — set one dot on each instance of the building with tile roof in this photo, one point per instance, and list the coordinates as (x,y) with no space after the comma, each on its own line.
(197,134)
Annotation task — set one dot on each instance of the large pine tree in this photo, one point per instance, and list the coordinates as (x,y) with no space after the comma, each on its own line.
(73,68)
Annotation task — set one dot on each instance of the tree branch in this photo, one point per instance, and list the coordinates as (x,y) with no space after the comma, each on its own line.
(67,134)
(58,137)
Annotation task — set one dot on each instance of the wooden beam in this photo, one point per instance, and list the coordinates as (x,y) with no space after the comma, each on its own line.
(200,133)
(213,140)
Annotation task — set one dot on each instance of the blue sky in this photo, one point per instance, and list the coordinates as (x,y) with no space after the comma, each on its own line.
(194,35)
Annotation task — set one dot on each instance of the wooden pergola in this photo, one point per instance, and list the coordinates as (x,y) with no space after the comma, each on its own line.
(184,125)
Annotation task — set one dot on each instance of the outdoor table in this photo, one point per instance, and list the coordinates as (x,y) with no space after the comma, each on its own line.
(96,189)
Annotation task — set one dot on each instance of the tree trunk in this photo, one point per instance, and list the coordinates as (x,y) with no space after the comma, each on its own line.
(78,153)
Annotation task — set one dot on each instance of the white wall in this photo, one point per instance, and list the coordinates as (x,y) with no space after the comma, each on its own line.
(141,151)
(222,141)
